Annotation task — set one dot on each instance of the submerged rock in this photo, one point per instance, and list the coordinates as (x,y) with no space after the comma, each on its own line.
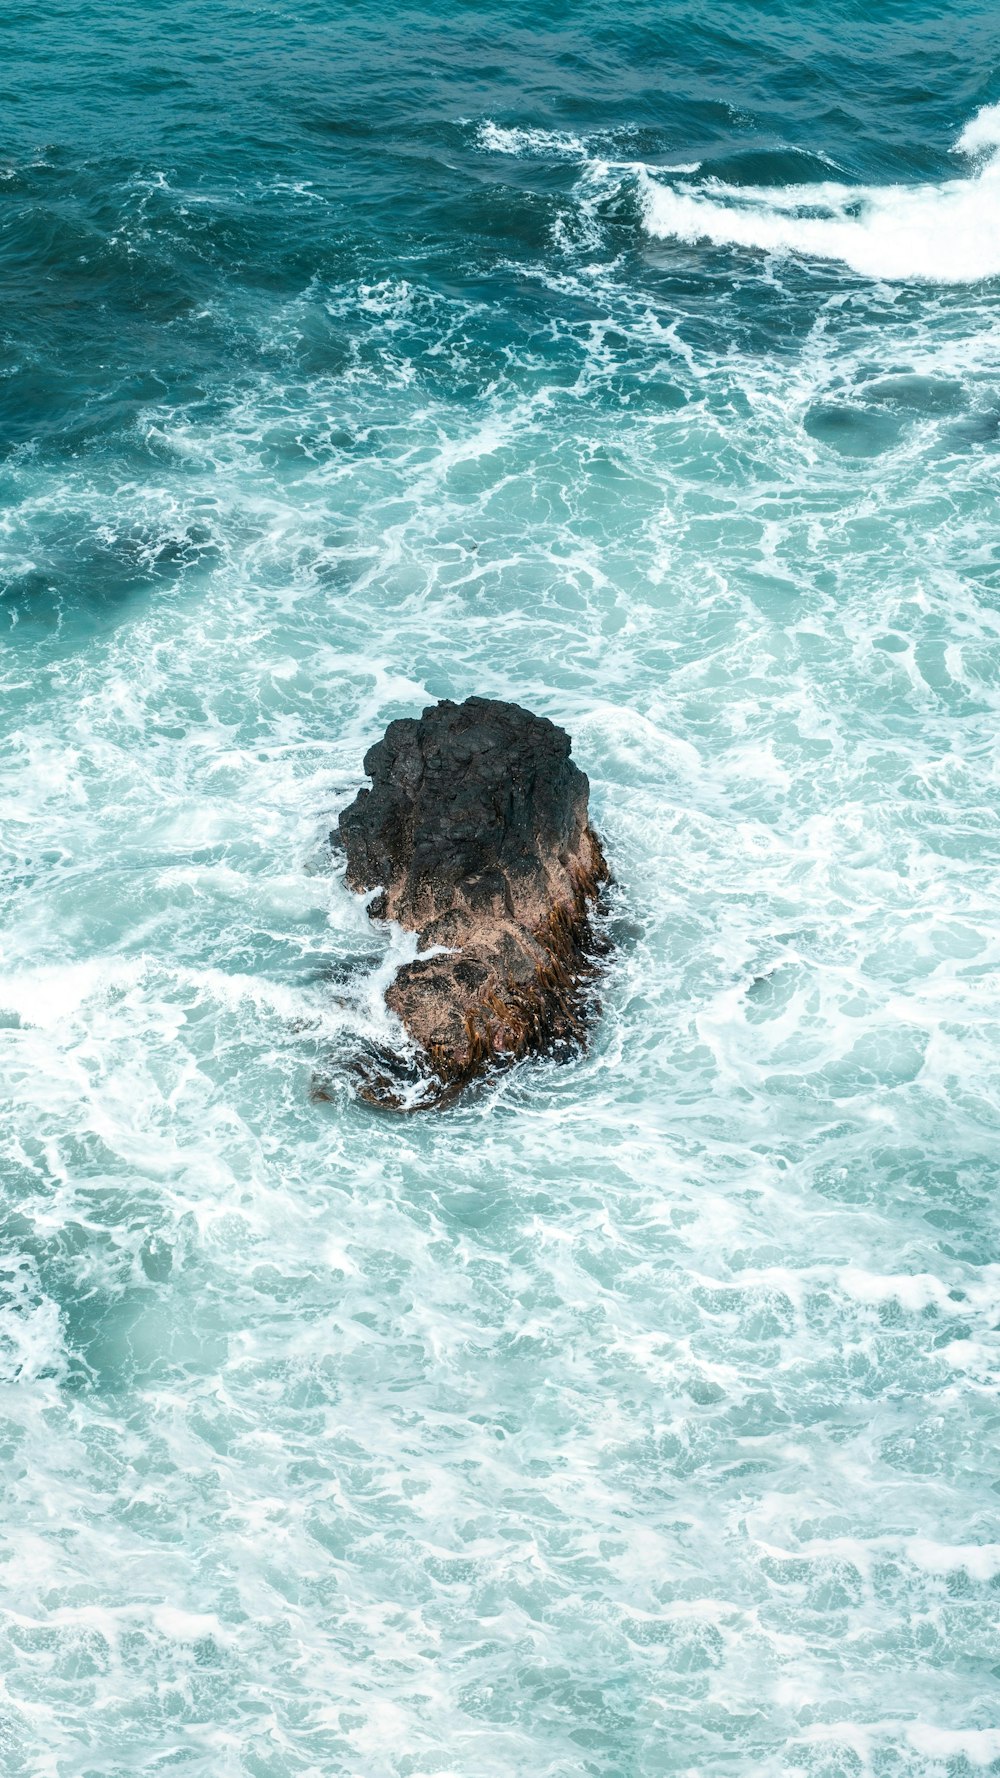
(476,835)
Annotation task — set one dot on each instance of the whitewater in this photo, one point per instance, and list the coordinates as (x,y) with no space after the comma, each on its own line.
(636,1415)
(947,232)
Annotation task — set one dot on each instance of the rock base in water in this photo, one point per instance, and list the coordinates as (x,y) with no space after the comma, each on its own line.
(476,834)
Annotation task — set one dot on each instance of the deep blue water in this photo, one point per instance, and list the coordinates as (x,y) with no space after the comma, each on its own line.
(633,1417)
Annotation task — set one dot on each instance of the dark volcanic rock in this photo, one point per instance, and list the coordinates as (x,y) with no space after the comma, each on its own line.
(475,831)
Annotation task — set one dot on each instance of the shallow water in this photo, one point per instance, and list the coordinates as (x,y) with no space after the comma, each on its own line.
(632,1417)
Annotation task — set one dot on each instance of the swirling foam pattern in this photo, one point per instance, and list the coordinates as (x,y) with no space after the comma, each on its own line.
(634,1417)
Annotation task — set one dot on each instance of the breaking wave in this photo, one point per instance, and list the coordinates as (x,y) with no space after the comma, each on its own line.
(946,233)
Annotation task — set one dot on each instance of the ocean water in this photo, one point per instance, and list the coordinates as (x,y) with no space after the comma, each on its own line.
(632,1417)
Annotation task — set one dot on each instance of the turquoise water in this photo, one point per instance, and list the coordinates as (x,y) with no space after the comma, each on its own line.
(632,1417)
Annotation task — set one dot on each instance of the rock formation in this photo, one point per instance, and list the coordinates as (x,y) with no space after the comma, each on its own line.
(475,833)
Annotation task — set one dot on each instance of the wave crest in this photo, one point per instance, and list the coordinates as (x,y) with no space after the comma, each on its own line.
(948,233)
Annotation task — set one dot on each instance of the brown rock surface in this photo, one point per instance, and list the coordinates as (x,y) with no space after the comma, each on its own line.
(476,833)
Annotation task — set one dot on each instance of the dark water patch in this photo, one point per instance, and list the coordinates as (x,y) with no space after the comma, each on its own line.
(921,396)
(348,126)
(156,1257)
(726,298)
(49,408)
(494,214)
(60,259)
(647,394)
(982,428)
(770,167)
(98,570)
(853,431)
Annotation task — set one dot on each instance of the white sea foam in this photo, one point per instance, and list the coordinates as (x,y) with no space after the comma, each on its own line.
(649,1366)
(981,133)
(48,996)
(980,1561)
(498,139)
(946,233)
(559,144)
